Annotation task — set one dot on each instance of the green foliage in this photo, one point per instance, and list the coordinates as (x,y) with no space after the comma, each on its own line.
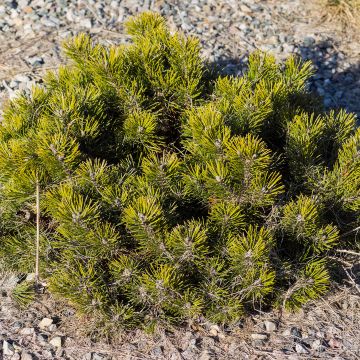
(24,294)
(171,195)
(311,283)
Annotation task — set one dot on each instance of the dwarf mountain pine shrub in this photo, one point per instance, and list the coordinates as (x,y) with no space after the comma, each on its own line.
(170,194)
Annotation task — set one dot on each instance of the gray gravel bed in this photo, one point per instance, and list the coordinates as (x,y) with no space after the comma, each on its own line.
(31,31)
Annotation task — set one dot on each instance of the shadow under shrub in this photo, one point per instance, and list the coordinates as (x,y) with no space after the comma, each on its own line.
(171,195)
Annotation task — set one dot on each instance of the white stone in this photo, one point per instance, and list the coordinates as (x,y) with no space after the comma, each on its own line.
(270,326)
(214,330)
(86,23)
(44,323)
(24,78)
(26,356)
(56,341)
(8,349)
(286,332)
(316,344)
(16,356)
(52,327)
(301,349)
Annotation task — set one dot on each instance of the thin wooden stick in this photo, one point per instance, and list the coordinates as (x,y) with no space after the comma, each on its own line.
(37,233)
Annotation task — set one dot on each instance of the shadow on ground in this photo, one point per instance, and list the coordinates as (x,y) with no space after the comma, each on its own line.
(336,79)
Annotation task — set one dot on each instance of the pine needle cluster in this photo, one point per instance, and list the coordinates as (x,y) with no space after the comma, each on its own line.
(170,193)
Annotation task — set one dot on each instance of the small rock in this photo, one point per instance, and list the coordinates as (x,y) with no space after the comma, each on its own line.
(334,343)
(309,41)
(17,325)
(157,351)
(16,356)
(14,84)
(259,336)
(26,356)
(327,102)
(8,349)
(42,339)
(214,330)
(301,349)
(259,343)
(48,354)
(45,323)
(35,60)
(52,327)
(286,332)
(24,78)
(296,333)
(270,326)
(318,345)
(17,22)
(86,23)
(320,91)
(244,8)
(28,9)
(339,94)
(188,354)
(17,347)
(193,343)
(288,48)
(60,353)
(13,4)
(56,341)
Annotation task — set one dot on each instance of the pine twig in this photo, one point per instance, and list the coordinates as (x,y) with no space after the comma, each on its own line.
(348,252)
(37,233)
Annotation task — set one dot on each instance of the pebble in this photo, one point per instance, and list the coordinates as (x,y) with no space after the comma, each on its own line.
(45,323)
(270,326)
(42,339)
(56,341)
(35,61)
(214,330)
(86,23)
(52,327)
(301,349)
(17,325)
(318,345)
(296,333)
(8,348)
(26,356)
(309,41)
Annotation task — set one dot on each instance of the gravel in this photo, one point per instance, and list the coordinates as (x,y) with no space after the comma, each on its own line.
(28,334)
(31,31)
(30,35)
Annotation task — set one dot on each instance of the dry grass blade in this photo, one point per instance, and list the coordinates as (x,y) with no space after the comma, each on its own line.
(345,12)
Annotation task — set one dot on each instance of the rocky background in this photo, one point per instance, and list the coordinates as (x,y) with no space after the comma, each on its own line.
(31,32)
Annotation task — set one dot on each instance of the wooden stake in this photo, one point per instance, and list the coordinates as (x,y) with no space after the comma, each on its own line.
(37,246)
